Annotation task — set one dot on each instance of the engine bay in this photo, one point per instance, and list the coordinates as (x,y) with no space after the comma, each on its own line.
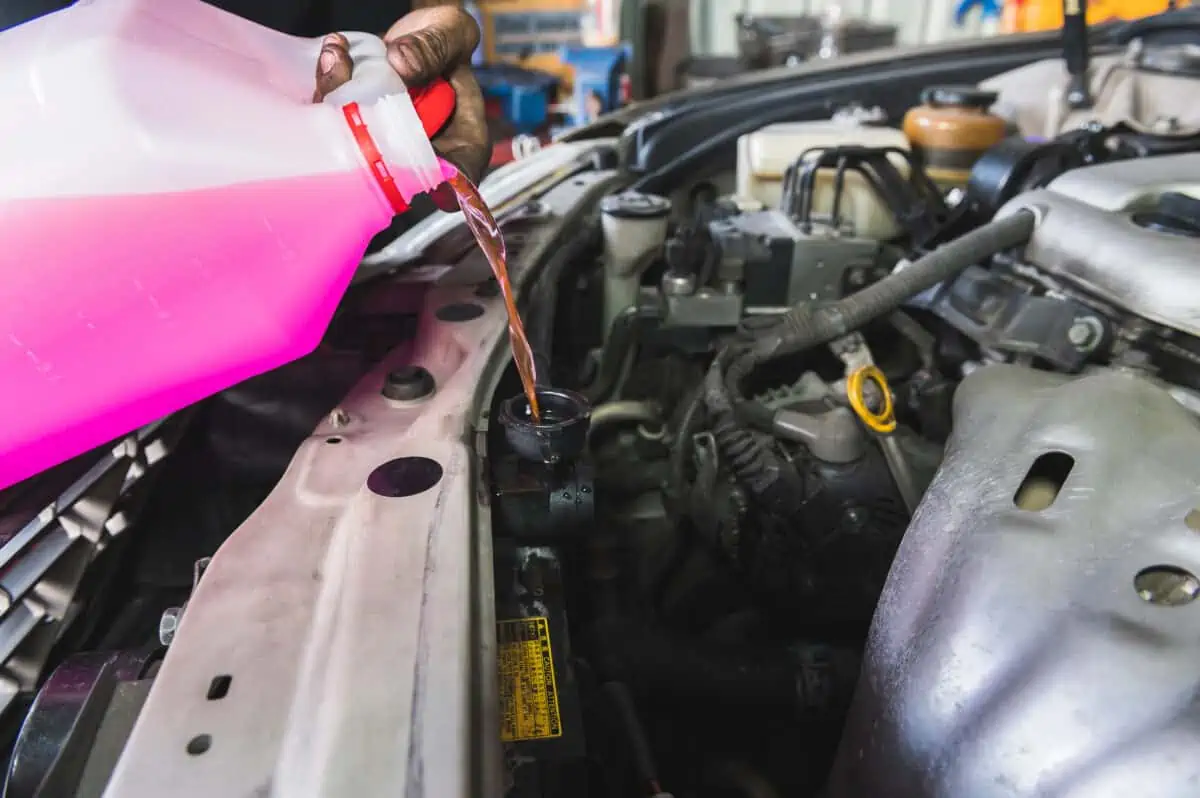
(884,392)
(870,468)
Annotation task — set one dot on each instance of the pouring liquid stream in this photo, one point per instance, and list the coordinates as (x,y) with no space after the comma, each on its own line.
(487,233)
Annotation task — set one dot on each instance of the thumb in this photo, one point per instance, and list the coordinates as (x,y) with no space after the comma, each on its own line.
(430,42)
(334,65)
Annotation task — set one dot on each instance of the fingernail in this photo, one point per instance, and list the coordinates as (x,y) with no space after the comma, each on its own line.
(327,61)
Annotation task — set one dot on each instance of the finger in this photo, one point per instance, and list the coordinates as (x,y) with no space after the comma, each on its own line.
(430,42)
(465,141)
(334,65)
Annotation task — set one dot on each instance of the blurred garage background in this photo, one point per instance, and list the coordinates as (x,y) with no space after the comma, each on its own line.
(547,65)
(916,21)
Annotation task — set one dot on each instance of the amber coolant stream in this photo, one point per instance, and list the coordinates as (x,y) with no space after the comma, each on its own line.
(487,233)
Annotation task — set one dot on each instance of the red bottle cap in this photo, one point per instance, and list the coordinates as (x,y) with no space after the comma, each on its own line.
(435,105)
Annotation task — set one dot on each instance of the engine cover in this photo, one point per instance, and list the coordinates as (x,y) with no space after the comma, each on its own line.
(1089,235)
(1131,185)
(1053,652)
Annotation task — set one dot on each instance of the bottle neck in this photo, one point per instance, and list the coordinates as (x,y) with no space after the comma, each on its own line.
(394,148)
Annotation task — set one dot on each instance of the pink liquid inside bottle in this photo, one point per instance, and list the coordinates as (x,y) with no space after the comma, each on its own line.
(177,216)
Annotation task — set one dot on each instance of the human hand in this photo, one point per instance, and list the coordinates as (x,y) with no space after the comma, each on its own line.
(423,45)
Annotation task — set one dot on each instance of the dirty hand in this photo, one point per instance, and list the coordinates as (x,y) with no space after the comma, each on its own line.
(425,44)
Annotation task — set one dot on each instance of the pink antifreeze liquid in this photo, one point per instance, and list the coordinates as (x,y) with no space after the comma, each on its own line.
(237,304)
(176,214)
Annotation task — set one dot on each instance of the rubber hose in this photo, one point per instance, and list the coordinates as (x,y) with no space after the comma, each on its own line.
(622,412)
(689,423)
(622,338)
(804,327)
(633,731)
(678,490)
(755,465)
(749,461)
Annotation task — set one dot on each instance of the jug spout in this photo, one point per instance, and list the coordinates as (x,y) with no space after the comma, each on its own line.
(391,125)
(393,144)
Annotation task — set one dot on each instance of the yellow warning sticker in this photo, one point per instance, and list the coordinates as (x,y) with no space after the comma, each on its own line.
(528,694)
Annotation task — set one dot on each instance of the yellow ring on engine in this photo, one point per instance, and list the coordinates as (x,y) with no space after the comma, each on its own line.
(885,420)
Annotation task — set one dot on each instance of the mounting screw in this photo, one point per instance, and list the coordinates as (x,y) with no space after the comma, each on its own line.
(168,624)
(1085,333)
(1166,125)
(678,284)
(408,384)
(339,418)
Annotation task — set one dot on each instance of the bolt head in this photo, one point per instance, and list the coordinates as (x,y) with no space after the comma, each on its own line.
(678,284)
(1084,333)
(408,384)
(168,624)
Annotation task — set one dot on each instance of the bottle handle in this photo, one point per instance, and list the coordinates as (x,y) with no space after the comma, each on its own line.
(373,77)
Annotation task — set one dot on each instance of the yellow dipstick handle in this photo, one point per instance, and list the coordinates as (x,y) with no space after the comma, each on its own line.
(885,420)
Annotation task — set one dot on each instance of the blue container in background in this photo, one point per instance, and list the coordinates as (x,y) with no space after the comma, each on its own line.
(599,75)
(523,96)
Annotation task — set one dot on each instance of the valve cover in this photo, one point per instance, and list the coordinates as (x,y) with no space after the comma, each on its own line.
(1038,635)
(1092,235)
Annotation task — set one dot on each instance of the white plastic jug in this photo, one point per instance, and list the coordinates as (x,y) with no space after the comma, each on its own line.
(175,213)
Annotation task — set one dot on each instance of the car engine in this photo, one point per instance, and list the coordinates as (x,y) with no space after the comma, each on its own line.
(854,397)
(869,468)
